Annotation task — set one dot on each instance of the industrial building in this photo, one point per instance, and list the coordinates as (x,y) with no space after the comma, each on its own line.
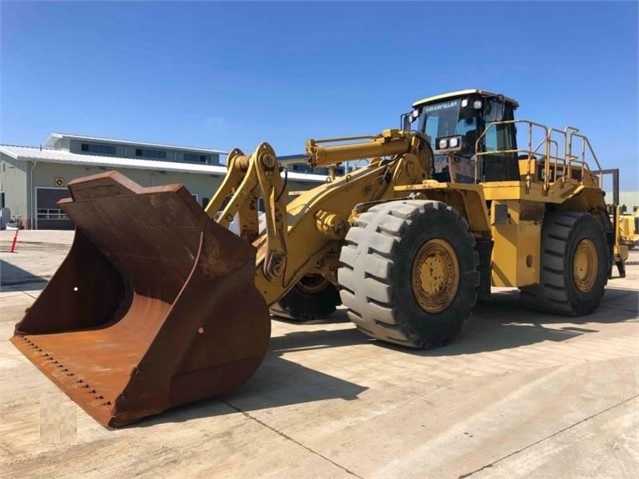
(33,179)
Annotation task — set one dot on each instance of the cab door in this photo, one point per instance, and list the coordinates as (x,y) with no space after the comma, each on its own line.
(500,143)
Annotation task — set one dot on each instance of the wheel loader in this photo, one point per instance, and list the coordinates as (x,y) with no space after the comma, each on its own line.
(158,304)
(629,229)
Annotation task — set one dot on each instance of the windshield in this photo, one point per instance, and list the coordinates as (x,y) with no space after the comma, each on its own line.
(448,118)
(439,119)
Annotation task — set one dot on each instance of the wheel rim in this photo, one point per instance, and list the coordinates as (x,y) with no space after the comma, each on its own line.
(585,265)
(435,276)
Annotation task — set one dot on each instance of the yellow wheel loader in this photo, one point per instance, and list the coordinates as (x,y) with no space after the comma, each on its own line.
(159,304)
(629,229)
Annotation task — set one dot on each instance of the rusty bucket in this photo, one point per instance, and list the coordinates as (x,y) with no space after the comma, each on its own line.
(154,306)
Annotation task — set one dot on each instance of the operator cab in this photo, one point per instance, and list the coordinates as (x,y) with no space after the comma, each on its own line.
(454,124)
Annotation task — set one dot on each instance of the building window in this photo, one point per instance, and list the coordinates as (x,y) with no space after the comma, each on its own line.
(195,158)
(98,148)
(150,153)
(51,214)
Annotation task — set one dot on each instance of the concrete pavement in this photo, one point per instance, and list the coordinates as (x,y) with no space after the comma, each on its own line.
(518,394)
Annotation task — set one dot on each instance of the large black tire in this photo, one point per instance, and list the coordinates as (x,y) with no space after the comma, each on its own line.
(575,261)
(409,273)
(313,297)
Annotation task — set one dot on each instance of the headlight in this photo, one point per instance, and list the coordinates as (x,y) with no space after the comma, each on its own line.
(453,142)
(443,143)
(477,104)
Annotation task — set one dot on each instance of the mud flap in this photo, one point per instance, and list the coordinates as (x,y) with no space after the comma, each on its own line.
(154,306)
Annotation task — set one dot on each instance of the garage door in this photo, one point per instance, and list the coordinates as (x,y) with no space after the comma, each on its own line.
(49,215)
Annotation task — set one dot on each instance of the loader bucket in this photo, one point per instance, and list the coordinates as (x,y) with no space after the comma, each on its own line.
(154,306)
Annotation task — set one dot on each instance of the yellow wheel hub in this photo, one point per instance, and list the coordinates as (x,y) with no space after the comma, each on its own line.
(435,276)
(585,265)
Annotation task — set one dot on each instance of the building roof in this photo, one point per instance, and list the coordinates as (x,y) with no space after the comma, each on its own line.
(53,137)
(49,155)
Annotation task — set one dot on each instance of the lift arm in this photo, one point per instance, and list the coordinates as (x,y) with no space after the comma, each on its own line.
(301,235)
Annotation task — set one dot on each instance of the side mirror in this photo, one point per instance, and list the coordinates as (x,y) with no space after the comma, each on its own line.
(407,119)
(404,122)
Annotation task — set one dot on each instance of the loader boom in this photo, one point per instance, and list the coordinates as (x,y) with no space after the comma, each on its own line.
(303,236)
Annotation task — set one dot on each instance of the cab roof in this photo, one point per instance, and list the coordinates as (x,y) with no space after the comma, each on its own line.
(456,94)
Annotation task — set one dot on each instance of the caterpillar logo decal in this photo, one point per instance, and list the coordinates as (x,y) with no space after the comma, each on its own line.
(442,106)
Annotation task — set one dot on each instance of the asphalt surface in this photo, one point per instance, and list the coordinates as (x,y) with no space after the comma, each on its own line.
(518,394)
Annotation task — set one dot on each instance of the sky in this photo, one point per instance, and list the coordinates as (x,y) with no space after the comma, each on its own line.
(234,74)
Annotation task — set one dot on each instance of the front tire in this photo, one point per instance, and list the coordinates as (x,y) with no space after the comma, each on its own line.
(574,265)
(409,273)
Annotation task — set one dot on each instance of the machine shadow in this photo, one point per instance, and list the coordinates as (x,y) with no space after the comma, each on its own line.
(13,278)
(502,323)
(505,323)
(277,383)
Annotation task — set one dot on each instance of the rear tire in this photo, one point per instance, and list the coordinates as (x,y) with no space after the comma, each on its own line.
(311,298)
(409,273)
(574,265)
